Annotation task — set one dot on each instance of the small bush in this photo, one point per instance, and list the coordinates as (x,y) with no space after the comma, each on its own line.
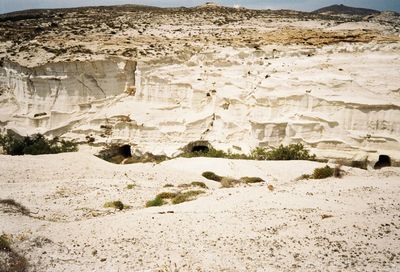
(13,206)
(4,243)
(116,205)
(199,184)
(251,179)
(322,173)
(168,185)
(184,185)
(287,153)
(130,186)
(229,182)
(337,171)
(259,153)
(35,145)
(304,176)
(166,195)
(271,187)
(211,176)
(158,201)
(214,153)
(10,260)
(186,196)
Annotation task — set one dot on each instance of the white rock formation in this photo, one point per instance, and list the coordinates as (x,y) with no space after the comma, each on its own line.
(342,101)
(56,95)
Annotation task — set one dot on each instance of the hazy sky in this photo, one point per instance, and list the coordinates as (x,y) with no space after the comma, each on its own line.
(307,5)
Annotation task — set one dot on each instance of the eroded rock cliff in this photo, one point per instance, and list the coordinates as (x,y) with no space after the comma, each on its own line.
(332,86)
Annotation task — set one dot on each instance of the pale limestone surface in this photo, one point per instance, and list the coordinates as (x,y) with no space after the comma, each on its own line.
(246,228)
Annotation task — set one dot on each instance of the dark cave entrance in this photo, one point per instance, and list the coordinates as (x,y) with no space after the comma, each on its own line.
(125,151)
(200,148)
(384,161)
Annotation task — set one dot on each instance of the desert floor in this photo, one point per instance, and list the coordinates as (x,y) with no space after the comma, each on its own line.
(245,228)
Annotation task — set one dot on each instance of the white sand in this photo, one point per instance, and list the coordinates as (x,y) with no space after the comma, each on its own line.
(247,228)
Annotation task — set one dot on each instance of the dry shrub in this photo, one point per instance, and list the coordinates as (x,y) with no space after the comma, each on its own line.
(116,205)
(10,205)
(186,196)
(166,195)
(229,182)
(251,179)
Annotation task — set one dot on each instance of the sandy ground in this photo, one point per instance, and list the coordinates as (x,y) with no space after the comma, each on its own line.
(246,228)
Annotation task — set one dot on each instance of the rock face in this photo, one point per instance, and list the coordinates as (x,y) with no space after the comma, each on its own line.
(334,87)
(48,97)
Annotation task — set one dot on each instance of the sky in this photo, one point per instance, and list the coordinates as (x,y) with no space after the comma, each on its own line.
(305,5)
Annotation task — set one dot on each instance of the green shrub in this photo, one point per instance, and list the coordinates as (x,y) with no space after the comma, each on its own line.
(251,179)
(35,145)
(199,184)
(158,201)
(322,173)
(166,195)
(130,186)
(186,196)
(116,205)
(4,243)
(168,185)
(290,152)
(211,176)
(259,153)
(214,153)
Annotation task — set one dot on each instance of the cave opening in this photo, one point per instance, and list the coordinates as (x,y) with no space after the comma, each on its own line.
(125,151)
(384,161)
(200,148)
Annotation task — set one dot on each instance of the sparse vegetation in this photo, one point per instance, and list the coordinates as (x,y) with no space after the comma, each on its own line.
(290,152)
(116,205)
(322,173)
(193,184)
(304,176)
(158,201)
(168,185)
(211,176)
(229,182)
(4,243)
(337,171)
(325,216)
(214,153)
(35,145)
(174,198)
(11,205)
(120,155)
(166,195)
(13,262)
(130,186)
(186,196)
(251,179)
(199,184)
